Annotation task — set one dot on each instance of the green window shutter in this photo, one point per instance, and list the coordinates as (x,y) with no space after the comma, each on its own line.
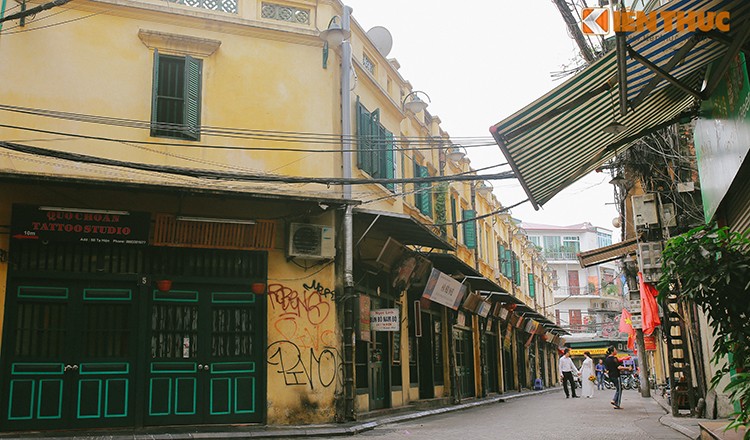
(364,124)
(508,264)
(517,264)
(532,287)
(425,201)
(155,93)
(470,228)
(192,107)
(390,160)
(417,187)
(501,257)
(454,217)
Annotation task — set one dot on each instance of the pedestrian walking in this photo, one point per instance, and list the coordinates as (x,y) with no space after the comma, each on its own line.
(587,376)
(600,375)
(567,371)
(614,366)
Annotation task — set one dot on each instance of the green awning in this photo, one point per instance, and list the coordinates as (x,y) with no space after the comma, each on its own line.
(560,137)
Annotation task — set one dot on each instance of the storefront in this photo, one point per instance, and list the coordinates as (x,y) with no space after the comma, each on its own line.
(102,328)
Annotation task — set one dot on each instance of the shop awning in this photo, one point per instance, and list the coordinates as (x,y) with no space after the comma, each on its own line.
(560,137)
(608,253)
(453,266)
(403,228)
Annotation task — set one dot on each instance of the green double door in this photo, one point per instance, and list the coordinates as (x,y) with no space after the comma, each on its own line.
(204,362)
(89,354)
(69,350)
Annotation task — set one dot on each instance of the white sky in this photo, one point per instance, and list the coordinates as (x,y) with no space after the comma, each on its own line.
(480,61)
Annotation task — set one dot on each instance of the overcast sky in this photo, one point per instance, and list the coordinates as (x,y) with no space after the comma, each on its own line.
(480,61)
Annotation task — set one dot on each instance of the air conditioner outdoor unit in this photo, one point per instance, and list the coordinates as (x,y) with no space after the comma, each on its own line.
(311,241)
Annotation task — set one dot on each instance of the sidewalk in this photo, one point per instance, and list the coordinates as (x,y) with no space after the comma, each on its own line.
(687,426)
(259,432)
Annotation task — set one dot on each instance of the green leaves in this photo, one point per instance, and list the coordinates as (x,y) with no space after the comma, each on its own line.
(710,266)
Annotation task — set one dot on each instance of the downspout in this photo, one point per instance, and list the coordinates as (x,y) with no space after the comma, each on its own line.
(346,156)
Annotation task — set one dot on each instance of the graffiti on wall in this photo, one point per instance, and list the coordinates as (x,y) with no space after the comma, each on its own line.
(306,367)
(304,351)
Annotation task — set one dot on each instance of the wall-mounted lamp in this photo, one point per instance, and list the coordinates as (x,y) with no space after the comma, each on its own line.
(456,153)
(333,36)
(235,221)
(485,188)
(415,104)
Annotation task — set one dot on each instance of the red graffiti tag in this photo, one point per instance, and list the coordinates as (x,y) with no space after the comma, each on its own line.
(311,305)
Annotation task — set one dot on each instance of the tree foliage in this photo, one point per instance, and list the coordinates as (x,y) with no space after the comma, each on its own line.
(710,266)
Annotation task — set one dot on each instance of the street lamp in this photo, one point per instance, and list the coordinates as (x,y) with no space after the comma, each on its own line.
(416,104)
(484,188)
(333,36)
(456,153)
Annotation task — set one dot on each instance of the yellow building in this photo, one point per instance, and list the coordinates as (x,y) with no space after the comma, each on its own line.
(169,257)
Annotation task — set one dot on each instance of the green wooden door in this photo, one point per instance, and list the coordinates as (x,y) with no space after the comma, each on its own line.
(69,351)
(204,362)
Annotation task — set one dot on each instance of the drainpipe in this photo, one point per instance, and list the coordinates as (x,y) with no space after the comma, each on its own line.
(346,156)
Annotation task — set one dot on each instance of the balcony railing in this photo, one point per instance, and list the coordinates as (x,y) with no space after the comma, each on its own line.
(229,6)
(560,255)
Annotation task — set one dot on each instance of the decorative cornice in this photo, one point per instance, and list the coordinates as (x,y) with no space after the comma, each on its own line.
(179,44)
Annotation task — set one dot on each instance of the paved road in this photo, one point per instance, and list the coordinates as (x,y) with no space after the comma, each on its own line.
(548,416)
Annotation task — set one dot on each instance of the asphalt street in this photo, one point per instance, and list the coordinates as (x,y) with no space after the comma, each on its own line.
(547,416)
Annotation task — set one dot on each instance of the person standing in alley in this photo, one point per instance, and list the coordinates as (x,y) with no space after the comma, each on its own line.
(600,375)
(568,371)
(614,366)
(587,374)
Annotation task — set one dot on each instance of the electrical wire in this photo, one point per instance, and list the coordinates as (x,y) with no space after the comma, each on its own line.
(4,32)
(240,176)
(247,133)
(191,145)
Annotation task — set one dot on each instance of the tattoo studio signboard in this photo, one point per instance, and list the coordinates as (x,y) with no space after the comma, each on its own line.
(80,225)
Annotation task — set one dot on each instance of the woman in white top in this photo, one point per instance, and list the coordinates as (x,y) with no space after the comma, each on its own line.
(587,370)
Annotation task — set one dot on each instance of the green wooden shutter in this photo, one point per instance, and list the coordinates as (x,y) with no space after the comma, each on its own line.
(508,264)
(425,202)
(192,106)
(532,287)
(517,263)
(364,139)
(155,94)
(390,160)
(470,228)
(501,257)
(454,217)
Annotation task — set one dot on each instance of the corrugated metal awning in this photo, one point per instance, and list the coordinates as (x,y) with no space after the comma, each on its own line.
(403,228)
(559,138)
(608,253)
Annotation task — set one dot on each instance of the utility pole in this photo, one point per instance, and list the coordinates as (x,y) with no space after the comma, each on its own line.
(23,14)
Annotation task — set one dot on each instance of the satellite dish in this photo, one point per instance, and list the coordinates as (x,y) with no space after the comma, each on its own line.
(382,39)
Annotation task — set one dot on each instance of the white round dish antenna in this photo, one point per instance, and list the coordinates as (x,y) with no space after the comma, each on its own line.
(382,39)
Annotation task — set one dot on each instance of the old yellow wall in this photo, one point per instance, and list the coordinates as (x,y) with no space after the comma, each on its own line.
(304,355)
(264,79)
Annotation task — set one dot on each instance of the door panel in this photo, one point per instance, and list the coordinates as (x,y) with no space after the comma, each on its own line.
(205,351)
(69,352)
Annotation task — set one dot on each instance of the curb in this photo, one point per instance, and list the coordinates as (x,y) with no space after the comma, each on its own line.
(284,432)
(666,421)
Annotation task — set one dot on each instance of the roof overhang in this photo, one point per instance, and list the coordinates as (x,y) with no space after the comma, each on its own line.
(452,265)
(403,228)
(608,253)
(560,137)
